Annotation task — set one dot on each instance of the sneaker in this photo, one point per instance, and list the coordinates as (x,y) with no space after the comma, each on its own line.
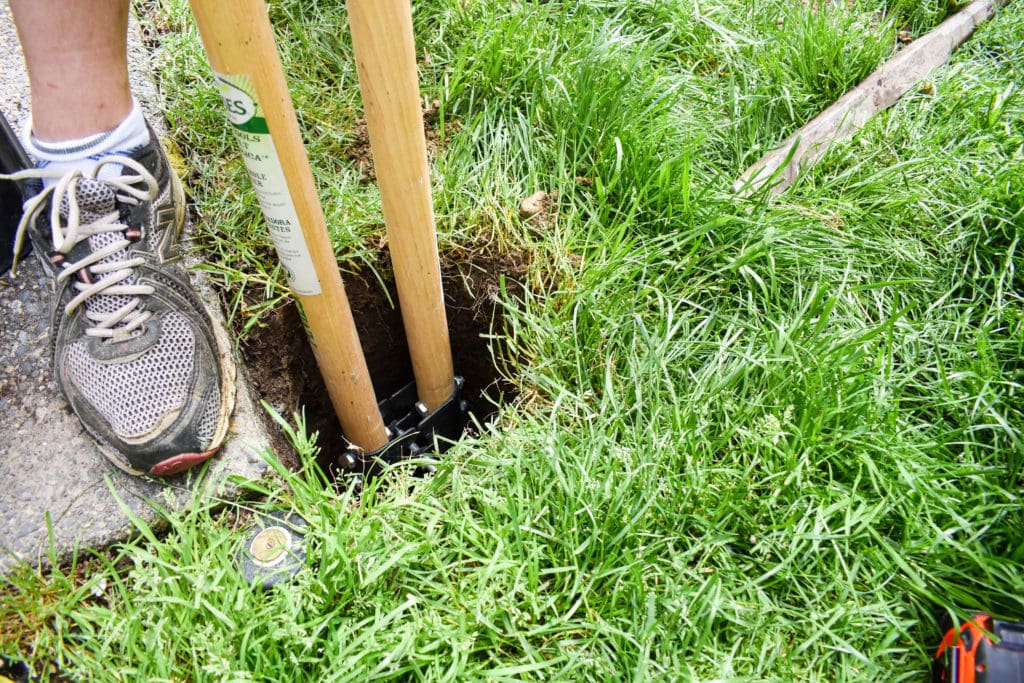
(134,351)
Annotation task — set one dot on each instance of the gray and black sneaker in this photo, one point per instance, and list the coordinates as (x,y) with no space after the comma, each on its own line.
(134,352)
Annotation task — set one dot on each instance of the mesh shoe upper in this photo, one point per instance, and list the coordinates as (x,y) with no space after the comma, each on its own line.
(133,349)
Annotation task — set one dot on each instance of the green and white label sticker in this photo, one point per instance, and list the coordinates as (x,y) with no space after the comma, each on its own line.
(268,180)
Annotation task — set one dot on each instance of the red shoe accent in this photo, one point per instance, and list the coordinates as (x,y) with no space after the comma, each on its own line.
(180,463)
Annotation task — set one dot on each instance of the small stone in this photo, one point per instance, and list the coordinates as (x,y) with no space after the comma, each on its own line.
(534,204)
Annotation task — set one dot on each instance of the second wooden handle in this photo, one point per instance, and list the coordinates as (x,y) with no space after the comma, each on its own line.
(382,38)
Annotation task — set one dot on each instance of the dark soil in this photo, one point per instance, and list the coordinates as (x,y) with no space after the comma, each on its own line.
(361,155)
(283,369)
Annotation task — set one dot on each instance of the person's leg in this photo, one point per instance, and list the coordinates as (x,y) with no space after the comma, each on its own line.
(76,55)
(82,105)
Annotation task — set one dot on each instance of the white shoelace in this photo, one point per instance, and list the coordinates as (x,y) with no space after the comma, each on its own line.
(122,323)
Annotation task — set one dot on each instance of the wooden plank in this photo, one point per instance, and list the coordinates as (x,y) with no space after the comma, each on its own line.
(781,167)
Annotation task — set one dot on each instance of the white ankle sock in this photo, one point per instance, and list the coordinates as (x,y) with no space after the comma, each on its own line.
(83,153)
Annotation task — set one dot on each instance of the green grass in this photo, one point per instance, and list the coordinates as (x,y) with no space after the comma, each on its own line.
(756,440)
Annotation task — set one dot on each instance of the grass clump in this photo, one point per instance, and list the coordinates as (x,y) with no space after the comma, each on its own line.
(758,439)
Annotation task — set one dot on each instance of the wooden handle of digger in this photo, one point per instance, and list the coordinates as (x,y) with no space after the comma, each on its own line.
(240,45)
(385,54)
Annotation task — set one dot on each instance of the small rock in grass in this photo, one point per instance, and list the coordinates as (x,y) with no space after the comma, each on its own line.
(534,204)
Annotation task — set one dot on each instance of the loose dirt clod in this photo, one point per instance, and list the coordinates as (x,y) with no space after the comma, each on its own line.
(360,154)
(534,204)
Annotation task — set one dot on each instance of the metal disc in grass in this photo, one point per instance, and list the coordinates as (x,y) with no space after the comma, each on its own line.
(274,548)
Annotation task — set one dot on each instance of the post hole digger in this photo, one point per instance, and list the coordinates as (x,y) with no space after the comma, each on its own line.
(243,55)
(428,413)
